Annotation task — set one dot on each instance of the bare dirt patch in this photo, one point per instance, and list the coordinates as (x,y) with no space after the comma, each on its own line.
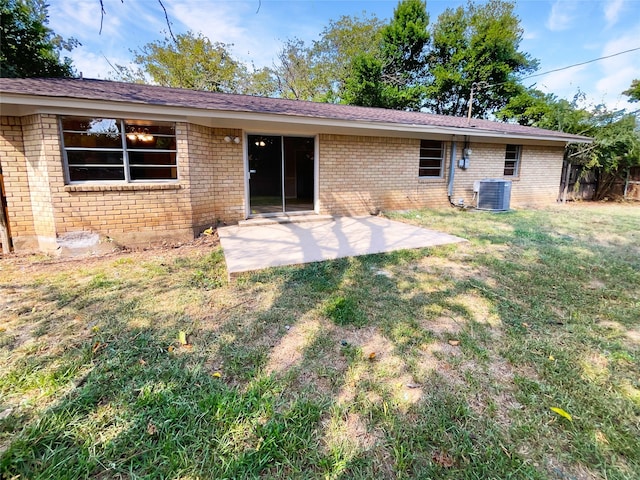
(39,262)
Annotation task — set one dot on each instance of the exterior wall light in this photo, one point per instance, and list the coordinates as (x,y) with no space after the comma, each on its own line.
(229,139)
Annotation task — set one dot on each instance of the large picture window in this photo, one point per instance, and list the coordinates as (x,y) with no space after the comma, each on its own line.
(512,161)
(431,158)
(108,149)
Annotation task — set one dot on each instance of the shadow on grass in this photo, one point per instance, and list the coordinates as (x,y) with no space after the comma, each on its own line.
(301,396)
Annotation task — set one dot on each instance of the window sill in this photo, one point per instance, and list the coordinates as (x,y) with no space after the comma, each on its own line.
(431,179)
(123,187)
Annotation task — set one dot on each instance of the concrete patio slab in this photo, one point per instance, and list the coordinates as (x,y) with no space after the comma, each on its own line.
(248,248)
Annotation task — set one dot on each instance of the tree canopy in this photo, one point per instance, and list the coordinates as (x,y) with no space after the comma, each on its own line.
(392,74)
(318,71)
(28,48)
(193,61)
(633,92)
(435,68)
(616,134)
(476,47)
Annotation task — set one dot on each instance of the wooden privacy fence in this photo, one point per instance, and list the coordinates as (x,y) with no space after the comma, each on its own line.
(577,183)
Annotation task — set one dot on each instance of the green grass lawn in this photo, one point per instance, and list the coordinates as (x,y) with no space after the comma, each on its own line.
(433,363)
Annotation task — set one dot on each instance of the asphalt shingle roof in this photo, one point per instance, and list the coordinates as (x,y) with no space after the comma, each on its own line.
(109,91)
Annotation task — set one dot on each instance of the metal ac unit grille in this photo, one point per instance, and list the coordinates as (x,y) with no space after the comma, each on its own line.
(494,195)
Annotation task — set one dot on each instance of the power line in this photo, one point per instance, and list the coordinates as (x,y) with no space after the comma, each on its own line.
(478,85)
(580,64)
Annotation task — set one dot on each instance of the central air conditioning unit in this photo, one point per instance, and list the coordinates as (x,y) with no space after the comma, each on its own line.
(494,194)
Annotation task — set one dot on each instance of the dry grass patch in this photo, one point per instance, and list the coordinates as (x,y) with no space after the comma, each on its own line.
(472,344)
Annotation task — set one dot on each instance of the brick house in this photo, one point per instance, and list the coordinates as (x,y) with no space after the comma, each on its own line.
(87,160)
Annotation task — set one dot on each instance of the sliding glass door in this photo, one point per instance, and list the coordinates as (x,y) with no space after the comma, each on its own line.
(281,174)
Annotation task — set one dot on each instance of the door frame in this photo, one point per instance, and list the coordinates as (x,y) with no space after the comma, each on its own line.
(247,175)
(5,228)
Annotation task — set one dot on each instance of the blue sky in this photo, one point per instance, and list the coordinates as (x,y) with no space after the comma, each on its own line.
(556,32)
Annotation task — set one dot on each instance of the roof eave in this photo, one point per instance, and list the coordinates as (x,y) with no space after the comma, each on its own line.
(59,104)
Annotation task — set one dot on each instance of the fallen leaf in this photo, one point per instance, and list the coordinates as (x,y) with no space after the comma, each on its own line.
(152,429)
(216,374)
(97,347)
(142,362)
(208,231)
(454,343)
(504,449)
(182,337)
(170,348)
(372,356)
(525,324)
(552,358)
(443,459)
(562,413)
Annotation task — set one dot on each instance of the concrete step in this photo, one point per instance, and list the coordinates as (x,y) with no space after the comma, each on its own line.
(284,218)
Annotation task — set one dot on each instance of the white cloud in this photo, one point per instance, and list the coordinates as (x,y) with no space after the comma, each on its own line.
(612,10)
(95,65)
(234,23)
(81,19)
(561,16)
(73,17)
(565,83)
(530,33)
(616,73)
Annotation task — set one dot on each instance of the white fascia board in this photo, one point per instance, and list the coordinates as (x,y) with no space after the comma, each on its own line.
(63,105)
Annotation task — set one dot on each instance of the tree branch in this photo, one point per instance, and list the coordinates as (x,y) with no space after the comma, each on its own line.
(168,22)
(103,12)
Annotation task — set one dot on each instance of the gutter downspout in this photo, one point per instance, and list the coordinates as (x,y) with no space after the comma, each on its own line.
(452,169)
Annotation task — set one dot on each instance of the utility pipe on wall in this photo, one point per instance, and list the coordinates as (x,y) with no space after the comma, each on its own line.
(452,169)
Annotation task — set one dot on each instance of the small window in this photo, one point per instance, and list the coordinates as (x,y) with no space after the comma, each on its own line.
(109,149)
(512,161)
(431,158)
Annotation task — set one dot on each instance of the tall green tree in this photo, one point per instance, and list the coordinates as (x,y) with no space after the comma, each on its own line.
(195,62)
(296,74)
(476,48)
(364,86)
(404,55)
(28,48)
(318,71)
(633,92)
(393,76)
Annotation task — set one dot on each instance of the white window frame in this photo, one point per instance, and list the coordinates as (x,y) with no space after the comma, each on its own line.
(440,159)
(517,150)
(126,164)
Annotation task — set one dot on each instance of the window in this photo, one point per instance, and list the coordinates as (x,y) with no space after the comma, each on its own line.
(512,161)
(431,158)
(108,149)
